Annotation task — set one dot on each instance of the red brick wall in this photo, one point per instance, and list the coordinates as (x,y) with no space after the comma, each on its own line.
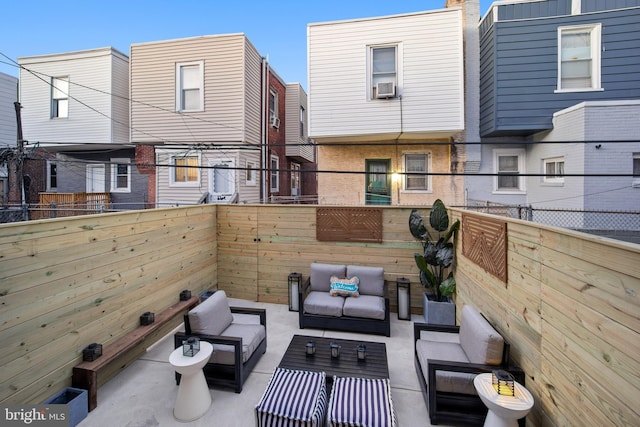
(276,139)
(145,162)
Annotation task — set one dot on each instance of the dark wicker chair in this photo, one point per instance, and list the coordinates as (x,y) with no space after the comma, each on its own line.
(238,354)
(448,407)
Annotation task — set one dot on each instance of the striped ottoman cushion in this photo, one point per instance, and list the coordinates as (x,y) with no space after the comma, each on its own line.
(361,402)
(293,398)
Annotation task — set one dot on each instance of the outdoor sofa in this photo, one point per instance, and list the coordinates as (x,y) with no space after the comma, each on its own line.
(366,310)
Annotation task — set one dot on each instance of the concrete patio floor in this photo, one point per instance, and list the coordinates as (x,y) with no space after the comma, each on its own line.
(143,394)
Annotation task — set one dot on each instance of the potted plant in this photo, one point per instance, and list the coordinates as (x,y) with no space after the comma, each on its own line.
(435,262)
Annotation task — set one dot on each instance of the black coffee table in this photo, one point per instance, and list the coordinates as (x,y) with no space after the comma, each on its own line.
(347,365)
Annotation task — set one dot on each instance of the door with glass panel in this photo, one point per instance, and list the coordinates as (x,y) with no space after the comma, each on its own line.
(378,182)
(222,185)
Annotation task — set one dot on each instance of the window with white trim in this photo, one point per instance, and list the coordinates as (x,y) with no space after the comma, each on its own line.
(636,170)
(508,165)
(295,179)
(59,97)
(120,175)
(185,171)
(302,120)
(553,170)
(52,176)
(579,58)
(275,173)
(383,66)
(190,86)
(416,170)
(273,105)
(251,173)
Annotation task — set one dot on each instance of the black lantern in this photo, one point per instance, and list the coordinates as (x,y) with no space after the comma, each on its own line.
(310,348)
(295,281)
(190,346)
(91,352)
(335,350)
(147,318)
(362,352)
(185,295)
(503,382)
(403,296)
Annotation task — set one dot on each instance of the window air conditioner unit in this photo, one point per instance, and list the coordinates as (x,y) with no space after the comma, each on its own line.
(385,90)
(275,122)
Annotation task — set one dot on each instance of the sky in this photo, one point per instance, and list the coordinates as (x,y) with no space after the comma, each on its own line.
(277,28)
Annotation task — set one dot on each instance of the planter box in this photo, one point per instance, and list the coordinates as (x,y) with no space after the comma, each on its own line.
(438,313)
(76,399)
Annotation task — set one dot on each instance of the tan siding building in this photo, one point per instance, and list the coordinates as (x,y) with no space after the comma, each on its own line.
(200,100)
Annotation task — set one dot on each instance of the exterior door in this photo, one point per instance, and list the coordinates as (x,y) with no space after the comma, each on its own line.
(295,179)
(95,179)
(378,182)
(222,183)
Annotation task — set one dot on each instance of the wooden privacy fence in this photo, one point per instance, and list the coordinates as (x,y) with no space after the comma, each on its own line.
(58,205)
(569,305)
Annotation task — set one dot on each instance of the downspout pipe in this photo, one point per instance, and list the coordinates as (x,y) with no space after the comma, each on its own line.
(264,143)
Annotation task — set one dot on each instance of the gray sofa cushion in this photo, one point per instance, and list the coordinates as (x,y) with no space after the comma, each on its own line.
(321,275)
(446,381)
(440,336)
(480,342)
(212,316)
(251,334)
(371,279)
(320,302)
(365,306)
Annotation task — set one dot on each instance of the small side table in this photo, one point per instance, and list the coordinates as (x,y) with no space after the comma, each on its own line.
(194,397)
(504,411)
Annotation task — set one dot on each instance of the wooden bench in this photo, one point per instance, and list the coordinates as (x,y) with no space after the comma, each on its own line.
(85,374)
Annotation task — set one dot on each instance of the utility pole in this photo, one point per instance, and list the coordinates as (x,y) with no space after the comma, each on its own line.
(19,155)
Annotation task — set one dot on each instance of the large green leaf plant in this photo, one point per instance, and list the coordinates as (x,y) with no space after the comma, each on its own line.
(438,250)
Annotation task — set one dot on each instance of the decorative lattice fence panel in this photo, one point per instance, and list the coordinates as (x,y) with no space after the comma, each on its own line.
(339,224)
(484,241)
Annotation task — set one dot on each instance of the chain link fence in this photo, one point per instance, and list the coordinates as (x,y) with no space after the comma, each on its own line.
(621,225)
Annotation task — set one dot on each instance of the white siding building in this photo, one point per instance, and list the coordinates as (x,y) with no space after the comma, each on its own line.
(75,106)
(75,98)
(394,85)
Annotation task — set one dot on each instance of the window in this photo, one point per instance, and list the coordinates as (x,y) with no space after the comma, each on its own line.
(295,179)
(508,164)
(59,97)
(251,173)
(189,86)
(120,175)
(185,170)
(302,120)
(554,170)
(52,176)
(275,171)
(416,168)
(636,170)
(383,71)
(579,58)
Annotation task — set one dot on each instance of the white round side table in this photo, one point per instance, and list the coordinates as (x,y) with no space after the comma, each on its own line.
(504,411)
(194,397)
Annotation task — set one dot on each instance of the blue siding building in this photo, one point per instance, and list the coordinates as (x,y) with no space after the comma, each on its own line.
(560,107)
(520,43)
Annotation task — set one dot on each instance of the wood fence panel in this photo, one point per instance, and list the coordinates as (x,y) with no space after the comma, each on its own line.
(569,307)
